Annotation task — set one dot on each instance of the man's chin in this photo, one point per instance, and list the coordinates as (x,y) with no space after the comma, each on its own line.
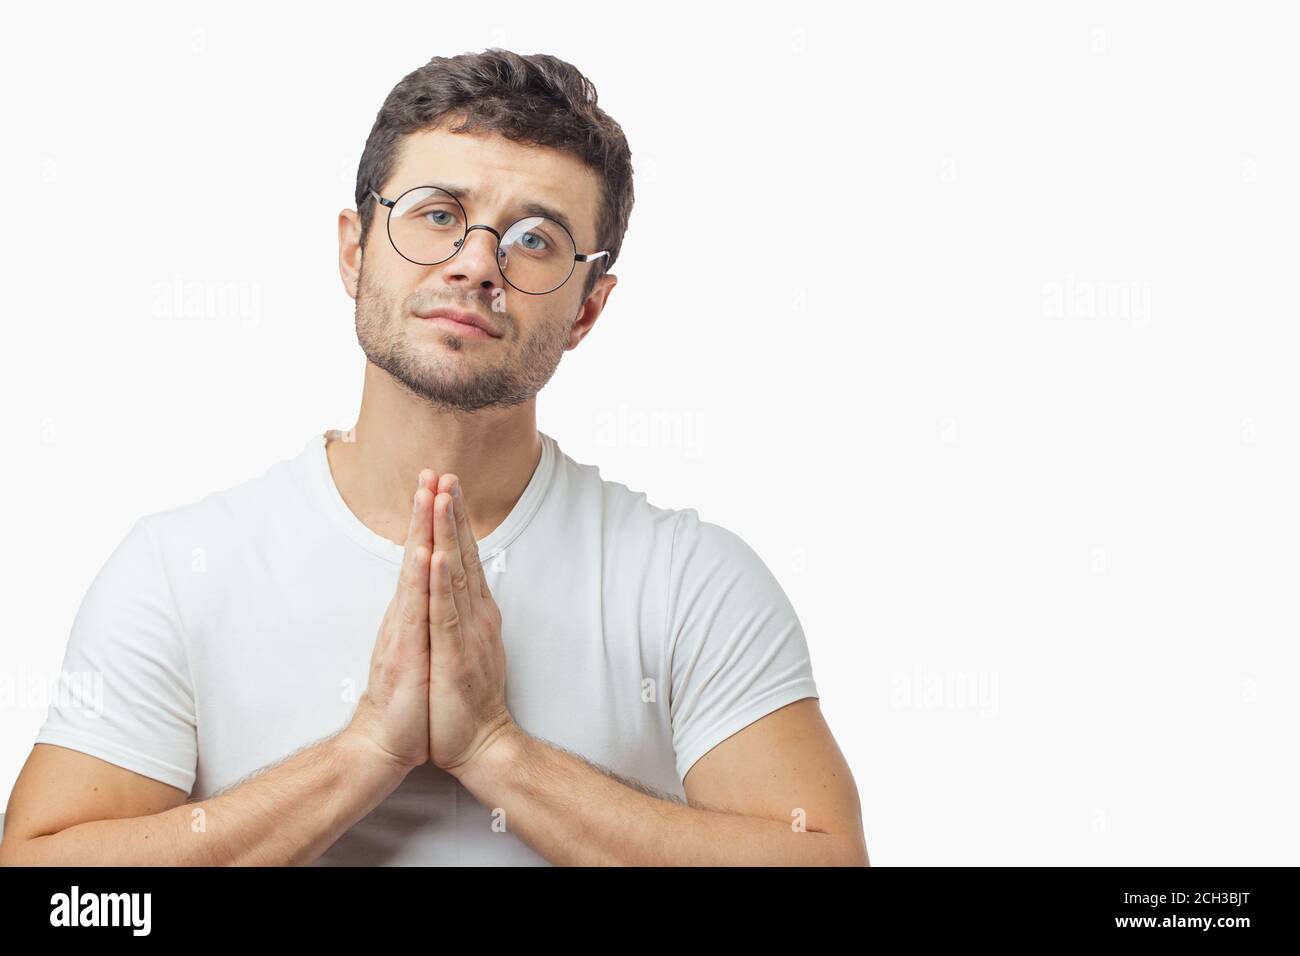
(467,393)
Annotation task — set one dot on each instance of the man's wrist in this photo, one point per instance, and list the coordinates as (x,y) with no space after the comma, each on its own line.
(357,753)
(500,753)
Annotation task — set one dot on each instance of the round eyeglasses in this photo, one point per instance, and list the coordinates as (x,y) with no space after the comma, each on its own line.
(427,225)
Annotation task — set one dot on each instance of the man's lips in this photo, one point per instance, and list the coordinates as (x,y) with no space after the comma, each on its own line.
(466,323)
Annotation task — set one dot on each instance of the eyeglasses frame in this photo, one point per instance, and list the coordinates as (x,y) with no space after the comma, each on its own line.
(460,243)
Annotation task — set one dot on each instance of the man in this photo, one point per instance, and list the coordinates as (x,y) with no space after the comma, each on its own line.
(563,672)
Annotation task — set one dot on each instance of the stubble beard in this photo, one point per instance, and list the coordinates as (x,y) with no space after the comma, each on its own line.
(516,372)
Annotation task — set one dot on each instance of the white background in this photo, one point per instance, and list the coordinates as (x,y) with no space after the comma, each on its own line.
(858,277)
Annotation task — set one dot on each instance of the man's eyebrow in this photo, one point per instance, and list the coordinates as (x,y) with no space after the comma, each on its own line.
(529,208)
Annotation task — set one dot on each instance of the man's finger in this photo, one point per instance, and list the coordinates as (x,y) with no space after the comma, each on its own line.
(446,538)
(469,560)
(444,621)
(413,589)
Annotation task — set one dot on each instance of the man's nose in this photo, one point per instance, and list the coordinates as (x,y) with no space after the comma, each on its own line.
(476,260)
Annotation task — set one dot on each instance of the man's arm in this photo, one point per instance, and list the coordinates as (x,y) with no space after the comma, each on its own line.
(285,815)
(778,793)
(69,808)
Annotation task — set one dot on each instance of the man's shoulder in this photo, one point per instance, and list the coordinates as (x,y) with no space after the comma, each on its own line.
(627,515)
(239,511)
(631,520)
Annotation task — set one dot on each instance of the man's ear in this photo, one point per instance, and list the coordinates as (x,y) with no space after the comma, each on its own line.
(350,250)
(592,306)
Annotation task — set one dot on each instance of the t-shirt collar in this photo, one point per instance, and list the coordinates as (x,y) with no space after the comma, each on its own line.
(326,493)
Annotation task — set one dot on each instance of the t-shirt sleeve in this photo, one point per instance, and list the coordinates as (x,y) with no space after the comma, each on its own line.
(737,650)
(124,693)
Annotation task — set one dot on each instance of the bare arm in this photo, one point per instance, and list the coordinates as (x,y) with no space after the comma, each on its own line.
(285,815)
(778,793)
(69,808)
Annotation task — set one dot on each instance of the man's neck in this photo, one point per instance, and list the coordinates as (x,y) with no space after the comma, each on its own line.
(494,452)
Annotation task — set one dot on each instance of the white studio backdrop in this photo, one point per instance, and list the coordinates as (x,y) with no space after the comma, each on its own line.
(979,325)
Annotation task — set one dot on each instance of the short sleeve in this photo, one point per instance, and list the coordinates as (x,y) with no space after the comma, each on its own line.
(124,693)
(737,650)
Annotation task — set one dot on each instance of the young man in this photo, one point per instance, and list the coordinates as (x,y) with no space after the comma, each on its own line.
(563,672)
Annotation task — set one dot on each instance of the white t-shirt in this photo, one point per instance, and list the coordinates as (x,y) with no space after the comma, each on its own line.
(236,630)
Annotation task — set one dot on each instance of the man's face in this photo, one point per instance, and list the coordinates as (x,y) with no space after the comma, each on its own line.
(446,364)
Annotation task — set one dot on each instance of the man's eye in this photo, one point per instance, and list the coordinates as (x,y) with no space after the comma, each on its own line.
(432,217)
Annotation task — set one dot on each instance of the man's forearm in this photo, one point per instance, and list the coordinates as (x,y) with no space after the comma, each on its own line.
(575,815)
(287,814)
